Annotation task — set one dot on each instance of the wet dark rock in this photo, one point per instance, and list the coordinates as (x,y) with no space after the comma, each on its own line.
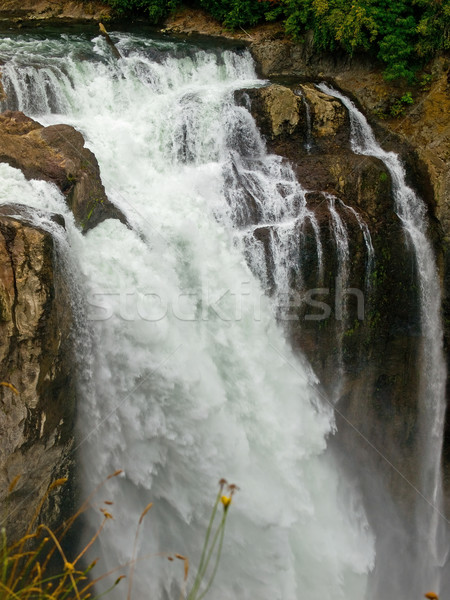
(363,331)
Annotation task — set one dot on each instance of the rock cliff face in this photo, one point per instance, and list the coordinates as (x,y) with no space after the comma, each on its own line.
(36,424)
(36,348)
(368,365)
(423,131)
(379,355)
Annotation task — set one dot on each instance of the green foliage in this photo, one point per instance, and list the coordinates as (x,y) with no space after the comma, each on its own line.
(433,26)
(426,81)
(399,106)
(395,108)
(235,13)
(213,542)
(334,22)
(400,33)
(27,566)
(383,28)
(155,10)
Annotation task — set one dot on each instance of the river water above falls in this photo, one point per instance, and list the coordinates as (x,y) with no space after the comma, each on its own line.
(189,377)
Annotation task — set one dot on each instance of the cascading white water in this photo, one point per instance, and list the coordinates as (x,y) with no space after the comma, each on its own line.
(191,378)
(341,240)
(264,194)
(367,241)
(431,527)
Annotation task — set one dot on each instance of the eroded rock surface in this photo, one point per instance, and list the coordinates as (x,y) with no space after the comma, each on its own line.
(48,10)
(37,423)
(280,107)
(57,154)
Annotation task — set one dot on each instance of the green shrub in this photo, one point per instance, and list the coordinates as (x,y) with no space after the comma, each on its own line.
(235,13)
(155,10)
(399,106)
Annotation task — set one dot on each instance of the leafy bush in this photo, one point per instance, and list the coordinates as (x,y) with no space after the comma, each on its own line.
(433,26)
(155,10)
(385,29)
(399,106)
(236,13)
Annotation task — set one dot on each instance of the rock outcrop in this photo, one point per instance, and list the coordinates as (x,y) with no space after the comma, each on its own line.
(421,135)
(36,351)
(278,109)
(37,424)
(64,11)
(376,357)
(36,357)
(424,128)
(57,154)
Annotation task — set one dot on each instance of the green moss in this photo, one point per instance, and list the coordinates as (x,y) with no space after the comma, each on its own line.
(92,205)
(352,330)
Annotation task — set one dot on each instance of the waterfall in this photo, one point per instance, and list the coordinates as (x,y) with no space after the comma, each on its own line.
(410,208)
(341,240)
(191,379)
(267,207)
(367,241)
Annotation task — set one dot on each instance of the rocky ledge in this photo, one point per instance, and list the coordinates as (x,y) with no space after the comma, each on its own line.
(57,154)
(312,130)
(14,12)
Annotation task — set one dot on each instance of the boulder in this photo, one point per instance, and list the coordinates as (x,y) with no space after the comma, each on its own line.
(330,126)
(57,154)
(281,116)
(277,109)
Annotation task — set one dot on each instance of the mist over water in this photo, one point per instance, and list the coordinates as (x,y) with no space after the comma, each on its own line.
(187,377)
